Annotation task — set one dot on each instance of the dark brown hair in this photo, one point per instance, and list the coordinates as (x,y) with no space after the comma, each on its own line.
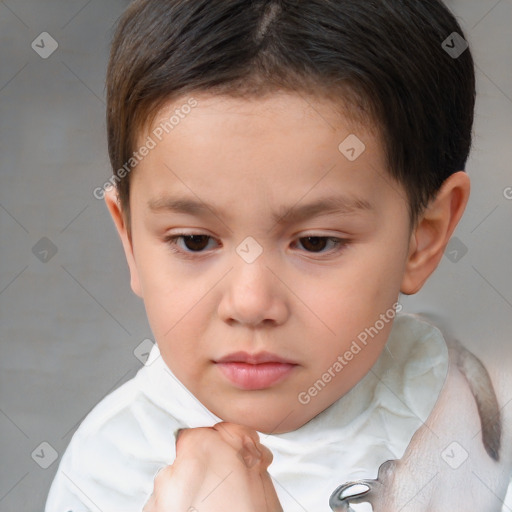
(385,58)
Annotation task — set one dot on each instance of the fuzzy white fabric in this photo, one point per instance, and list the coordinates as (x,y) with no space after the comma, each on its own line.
(111,461)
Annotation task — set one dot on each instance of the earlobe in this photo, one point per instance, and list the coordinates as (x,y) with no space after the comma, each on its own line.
(114,207)
(434,230)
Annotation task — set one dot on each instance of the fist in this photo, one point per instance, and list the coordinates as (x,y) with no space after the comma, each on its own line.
(217,469)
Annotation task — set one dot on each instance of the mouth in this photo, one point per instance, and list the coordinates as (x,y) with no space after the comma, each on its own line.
(255,371)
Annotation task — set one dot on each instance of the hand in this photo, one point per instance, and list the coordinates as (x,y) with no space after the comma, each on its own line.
(217,469)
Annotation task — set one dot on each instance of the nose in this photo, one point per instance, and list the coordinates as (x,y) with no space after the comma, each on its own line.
(253,295)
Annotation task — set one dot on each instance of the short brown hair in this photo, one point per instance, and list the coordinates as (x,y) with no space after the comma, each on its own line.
(385,56)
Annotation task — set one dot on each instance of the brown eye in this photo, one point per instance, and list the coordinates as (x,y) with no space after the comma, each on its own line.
(187,245)
(195,242)
(313,243)
(317,244)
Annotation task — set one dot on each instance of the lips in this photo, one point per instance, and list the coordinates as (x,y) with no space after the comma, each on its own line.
(259,358)
(255,371)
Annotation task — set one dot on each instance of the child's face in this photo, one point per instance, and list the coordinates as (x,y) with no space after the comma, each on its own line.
(304,300)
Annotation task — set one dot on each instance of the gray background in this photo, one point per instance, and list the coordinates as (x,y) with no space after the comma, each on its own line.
(69,325)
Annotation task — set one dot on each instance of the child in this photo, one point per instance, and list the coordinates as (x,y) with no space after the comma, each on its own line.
(283,170)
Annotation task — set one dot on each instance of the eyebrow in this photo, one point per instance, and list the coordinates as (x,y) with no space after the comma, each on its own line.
(293,214)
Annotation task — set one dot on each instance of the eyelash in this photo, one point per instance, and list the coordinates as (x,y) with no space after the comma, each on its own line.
(172,241)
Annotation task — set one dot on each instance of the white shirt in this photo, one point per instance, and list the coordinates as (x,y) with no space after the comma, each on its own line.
(114,455)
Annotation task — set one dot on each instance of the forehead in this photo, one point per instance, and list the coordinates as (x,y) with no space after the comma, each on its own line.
(278,149)
(278,129)
(324,108)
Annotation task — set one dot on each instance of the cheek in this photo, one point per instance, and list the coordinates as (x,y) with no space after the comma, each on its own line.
(175,305)
(166,296)
(366,284)
(174,322)
(380,271)
(349,306)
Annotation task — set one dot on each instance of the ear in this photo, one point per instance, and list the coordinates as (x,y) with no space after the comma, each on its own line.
(118,217)
(433,231)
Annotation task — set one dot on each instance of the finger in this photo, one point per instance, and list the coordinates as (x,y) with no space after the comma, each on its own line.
(150,503)
(179,432)
(196,440)
(233,433)
(155,500)
(246,441)
(255,455)
(270,493)
(239,437)
(243,440)
(204,453)
(250,453)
